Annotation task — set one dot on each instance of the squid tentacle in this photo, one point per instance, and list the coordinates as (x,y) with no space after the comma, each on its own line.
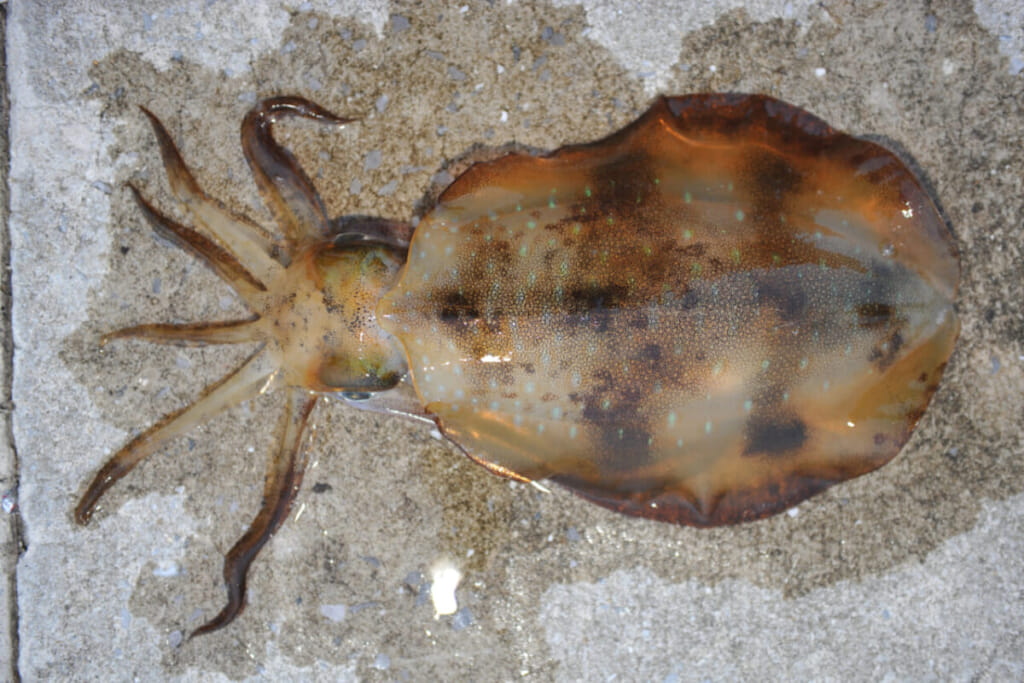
(243,383)
(252,261)
(191,334)
(206,250)
(283,478)
(249,242)
(284,186)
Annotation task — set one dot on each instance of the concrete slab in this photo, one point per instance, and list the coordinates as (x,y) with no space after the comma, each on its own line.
(9,519)
(913,571)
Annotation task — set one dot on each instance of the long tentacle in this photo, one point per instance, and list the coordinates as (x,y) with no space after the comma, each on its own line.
(244,383)
(286,189)
(224,264)
(283,479)
(191,334)
(249,242)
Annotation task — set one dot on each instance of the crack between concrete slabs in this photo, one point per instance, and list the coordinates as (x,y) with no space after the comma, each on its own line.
(15,546)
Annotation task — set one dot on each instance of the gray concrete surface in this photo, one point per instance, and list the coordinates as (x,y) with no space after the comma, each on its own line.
(9,531)
(912,572)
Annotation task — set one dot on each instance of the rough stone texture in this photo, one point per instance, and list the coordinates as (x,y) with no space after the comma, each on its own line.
(9,519)
(913,571)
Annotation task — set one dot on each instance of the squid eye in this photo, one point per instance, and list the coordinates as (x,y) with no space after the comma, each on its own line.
(349,238)
(355,395)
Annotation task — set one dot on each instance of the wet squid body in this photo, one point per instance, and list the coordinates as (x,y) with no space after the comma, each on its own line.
(705,318)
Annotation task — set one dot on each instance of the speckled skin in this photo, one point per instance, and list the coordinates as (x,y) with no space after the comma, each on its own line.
(705,318)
